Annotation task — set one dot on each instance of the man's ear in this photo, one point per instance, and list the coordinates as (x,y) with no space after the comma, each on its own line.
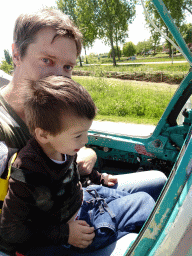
(15,55)
(41,135)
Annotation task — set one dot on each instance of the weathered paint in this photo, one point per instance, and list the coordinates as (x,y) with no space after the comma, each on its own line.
(171,239)
(168,205)
(152,232)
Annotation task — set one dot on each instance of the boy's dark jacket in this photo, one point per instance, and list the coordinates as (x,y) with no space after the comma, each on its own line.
(42,197)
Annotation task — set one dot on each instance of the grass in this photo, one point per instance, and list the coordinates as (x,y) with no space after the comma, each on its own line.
(169,73)
(168,68)
(147,58)
(128,101)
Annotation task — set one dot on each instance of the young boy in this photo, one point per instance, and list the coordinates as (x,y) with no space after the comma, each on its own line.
(45,205)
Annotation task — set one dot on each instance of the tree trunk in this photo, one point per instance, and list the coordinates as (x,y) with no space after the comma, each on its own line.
(168,43)
(170,50)
(85,50)
(118,53)
(112,49)
(80,61)
(86,60)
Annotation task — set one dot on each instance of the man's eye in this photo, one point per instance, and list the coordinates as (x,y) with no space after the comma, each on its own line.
(68,67)
(47,61)
(78,136)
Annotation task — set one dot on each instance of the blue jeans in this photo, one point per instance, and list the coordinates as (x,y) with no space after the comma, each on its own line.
(150,182)
(113,213)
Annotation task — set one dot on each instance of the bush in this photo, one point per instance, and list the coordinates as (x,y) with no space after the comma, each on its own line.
(117,52)
(129,49)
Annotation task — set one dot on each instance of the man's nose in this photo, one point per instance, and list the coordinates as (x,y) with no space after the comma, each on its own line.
(59,71)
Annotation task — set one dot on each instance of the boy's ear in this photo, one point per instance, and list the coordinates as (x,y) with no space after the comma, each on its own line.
(41,135)
(15,55)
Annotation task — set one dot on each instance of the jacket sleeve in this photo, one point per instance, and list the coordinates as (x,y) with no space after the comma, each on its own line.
(18,211)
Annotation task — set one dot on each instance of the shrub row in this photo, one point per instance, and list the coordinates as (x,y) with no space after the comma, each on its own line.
(138,76)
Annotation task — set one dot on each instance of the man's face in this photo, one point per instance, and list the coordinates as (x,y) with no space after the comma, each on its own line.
(45,57)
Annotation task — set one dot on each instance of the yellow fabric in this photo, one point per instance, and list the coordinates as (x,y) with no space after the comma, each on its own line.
(3,188)
(4,182)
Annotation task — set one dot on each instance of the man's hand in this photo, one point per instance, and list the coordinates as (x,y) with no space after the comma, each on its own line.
(86,158)
(109,180)
(80,233)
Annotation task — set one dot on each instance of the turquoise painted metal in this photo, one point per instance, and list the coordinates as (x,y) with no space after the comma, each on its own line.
(168,206)
(168,231)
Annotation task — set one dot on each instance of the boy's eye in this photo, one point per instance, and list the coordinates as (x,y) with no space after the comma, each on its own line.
(78,136)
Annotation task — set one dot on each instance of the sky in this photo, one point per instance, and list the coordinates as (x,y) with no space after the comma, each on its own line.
(10,10)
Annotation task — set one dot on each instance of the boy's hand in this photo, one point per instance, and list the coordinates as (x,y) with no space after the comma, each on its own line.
(109,180)
(80,233)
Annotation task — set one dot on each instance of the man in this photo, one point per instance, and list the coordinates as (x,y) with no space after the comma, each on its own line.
(41,49)
(47,43)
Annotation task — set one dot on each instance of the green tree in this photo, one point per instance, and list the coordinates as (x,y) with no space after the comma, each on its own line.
(186,31)
(7,68)
(129,49)
(82,14)
(121,26)
(86,22)
(187,6)
(144,46)
(8,57)
(155,40)
(68,7)
(106,18)
(117,52)
(176,10)
(112,18)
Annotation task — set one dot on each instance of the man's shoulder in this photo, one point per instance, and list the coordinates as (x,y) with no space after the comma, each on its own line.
(7,125)
(5,154)
(6,117)
(13,131)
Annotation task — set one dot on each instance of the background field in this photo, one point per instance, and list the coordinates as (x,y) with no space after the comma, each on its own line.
(128,101)
(161,72)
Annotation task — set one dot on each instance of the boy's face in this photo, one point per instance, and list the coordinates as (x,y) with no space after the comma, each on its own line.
(44,57)
(72,138)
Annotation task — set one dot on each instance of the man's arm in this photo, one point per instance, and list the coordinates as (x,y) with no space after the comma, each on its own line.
(86,159)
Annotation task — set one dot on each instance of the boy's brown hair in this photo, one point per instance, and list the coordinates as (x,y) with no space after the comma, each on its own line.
(48,99)
(28,25)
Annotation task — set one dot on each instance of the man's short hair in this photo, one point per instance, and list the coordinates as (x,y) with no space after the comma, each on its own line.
(48,99)
(28,25)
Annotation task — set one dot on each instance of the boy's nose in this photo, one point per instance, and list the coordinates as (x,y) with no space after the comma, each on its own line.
(85,141)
